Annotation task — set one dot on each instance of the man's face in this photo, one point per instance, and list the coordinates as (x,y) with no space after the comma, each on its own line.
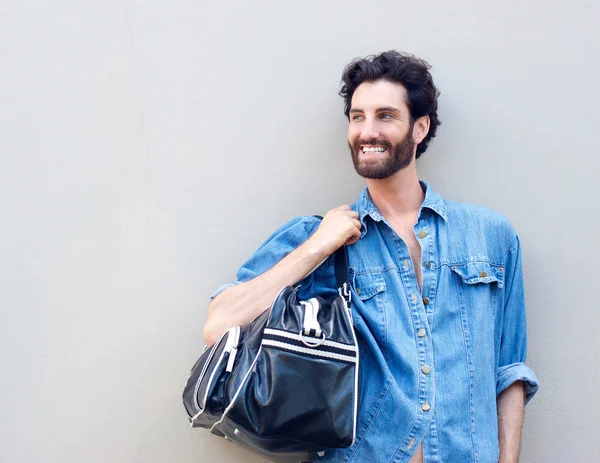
(380,134)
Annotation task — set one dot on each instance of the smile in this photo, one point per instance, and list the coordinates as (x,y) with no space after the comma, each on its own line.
(370,149)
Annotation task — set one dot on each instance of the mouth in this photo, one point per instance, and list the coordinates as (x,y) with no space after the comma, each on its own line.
(373,150)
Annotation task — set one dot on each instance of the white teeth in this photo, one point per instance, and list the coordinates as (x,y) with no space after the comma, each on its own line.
(375,149)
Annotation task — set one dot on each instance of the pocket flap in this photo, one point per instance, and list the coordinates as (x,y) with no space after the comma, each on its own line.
(480,272)
(368,285)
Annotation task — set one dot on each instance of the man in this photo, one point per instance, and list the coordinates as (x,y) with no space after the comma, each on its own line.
(437,287)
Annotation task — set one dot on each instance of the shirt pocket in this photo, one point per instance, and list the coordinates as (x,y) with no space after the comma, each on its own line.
(473,273)
(368,285)
(477,291)
(370,290)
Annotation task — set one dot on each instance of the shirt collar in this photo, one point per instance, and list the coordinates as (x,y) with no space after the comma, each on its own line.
(433,201)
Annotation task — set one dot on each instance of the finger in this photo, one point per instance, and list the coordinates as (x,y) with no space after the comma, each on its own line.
(356,234)
(351,241)
(357,223)
(343,207)
(350,213)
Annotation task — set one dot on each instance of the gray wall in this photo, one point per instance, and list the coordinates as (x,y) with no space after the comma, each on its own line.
(147,148)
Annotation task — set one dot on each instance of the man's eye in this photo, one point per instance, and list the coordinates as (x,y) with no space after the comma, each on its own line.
(356,117)
(386,116)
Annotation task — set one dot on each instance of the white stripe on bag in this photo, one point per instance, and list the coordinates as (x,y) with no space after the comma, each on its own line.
(297,337)
(306,350)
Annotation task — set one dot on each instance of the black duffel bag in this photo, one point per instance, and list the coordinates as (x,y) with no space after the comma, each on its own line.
(286,385)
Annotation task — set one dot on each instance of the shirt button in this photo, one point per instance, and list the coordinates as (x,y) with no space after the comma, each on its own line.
(357,291)
(428,264)
(425,369)
(414,297)
(406,265)
(422,234)
(483,274)
(422,333)
(426,406)
(426,300)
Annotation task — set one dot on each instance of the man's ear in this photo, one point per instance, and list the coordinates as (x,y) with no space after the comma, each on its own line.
(420,129)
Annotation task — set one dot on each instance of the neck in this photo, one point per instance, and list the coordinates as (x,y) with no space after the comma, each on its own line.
(398,196)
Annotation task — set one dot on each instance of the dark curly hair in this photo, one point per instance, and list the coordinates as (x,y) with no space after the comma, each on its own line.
(401,68)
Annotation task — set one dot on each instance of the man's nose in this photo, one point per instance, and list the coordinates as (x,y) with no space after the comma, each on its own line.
(369,130)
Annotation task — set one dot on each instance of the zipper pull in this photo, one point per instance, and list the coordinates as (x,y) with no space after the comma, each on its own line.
(231,359)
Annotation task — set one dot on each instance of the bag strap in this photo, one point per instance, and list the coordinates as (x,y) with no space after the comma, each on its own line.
(341,267)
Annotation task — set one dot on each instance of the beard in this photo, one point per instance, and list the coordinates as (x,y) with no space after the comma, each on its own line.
(398,158)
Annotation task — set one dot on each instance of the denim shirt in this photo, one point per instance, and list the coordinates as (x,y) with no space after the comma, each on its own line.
(432,362)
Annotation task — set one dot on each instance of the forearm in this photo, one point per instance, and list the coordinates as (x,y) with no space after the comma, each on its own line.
(510,403)
(241,304)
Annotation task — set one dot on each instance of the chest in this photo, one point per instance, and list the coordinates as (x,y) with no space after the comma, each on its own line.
(405,231)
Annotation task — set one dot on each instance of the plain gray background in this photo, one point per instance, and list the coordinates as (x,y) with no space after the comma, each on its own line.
(149,147)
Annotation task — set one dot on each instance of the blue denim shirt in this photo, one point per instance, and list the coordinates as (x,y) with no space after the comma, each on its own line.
(432,362)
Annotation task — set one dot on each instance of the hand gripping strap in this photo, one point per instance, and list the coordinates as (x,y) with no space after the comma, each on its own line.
(341,269)
(341,265)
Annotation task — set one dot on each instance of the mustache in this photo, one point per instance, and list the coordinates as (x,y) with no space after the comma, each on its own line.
(372,141)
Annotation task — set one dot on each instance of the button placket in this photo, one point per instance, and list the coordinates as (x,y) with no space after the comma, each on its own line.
(426,379)
(428,264)
(427,281)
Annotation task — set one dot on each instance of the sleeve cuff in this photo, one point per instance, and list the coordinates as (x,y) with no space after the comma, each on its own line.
(223,288)
(508,374)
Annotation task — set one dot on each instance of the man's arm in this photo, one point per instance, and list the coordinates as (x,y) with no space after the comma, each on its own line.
(516,384)
(511,403)
(241,304)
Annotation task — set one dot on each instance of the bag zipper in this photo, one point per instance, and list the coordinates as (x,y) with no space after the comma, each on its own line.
(213,348)
(231,346)
(233,336)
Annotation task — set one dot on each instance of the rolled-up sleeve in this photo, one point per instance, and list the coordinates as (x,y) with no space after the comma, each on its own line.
(283,241)
(222,288)
(511,365)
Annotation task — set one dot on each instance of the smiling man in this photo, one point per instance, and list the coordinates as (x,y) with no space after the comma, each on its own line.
(439,306)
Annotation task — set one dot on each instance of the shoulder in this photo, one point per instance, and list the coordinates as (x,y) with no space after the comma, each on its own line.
(474,212)
(281,242)
(477,222)
(295,231)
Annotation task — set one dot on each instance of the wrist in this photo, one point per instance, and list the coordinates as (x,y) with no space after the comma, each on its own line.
(316,249)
